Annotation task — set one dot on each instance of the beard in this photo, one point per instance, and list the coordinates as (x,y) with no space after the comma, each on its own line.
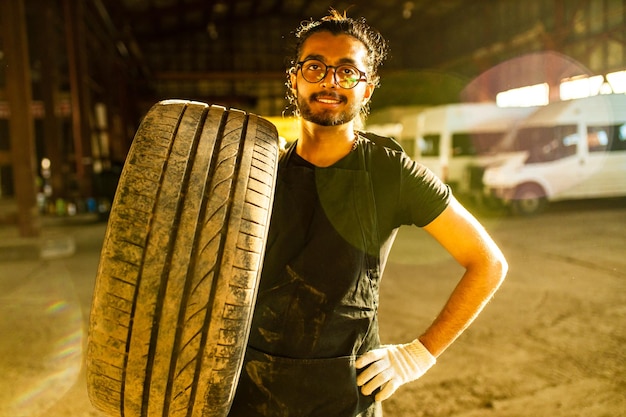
(328,117)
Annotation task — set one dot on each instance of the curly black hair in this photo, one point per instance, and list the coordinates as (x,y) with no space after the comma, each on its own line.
(338,24)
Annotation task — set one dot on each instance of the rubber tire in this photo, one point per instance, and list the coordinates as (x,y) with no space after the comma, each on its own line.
(530,199)
(179,267)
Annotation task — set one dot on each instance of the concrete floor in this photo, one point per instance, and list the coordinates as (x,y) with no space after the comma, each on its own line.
(549,344)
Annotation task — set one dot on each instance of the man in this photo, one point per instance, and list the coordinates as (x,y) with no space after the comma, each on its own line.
(340,196)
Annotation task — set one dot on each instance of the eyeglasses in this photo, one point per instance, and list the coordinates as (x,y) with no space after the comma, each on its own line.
(345,75)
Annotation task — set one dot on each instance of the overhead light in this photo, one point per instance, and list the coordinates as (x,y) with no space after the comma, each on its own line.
(121,48)
(579,87)
(220,7)
(212,31)
(617,80)
(532,95)
(407,10)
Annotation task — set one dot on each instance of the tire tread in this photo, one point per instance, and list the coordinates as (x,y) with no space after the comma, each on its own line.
(182,252)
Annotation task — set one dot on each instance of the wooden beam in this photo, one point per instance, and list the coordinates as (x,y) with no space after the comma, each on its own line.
(21,124)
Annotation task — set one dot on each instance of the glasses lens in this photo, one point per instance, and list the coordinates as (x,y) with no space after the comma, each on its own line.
(313,71)
(347,76)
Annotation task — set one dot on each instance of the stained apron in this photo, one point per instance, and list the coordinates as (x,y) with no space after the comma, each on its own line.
(316,307)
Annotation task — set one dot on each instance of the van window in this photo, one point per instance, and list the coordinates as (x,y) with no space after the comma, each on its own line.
(618,138)
(598,138)
(603,138)
(545,144)
(429,145)
(472,144)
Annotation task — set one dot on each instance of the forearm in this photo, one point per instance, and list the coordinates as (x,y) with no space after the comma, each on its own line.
(485,268)
(470,296)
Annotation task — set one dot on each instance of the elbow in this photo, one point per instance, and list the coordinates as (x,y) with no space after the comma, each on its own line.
(499,267)
(502,267)
(490,269)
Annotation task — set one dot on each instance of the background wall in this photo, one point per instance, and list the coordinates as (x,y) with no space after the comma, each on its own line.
(76,76)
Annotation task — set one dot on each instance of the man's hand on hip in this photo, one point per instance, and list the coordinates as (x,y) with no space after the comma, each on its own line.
(391,366)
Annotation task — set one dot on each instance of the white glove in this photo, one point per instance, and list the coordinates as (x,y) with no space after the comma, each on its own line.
(391,366)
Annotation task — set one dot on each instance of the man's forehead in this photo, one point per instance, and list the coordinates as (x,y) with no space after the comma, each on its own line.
(341,47)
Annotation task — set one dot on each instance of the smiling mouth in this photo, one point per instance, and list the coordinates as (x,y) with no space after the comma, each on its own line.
(328,99)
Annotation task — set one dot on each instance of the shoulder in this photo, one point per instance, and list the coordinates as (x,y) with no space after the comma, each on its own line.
(382,141)
(401,185)
(386,152)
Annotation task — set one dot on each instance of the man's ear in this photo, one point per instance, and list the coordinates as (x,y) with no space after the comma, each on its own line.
(369,91)
(293,79)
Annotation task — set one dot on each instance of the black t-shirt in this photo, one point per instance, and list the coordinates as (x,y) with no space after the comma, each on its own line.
(405,192)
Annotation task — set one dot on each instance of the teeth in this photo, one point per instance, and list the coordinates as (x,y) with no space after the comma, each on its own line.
(328,101)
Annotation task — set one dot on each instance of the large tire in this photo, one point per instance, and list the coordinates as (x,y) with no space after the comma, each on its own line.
(180,262)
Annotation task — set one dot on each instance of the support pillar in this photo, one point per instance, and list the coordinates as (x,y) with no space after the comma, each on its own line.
(80,93)
(47,51)
(21,124)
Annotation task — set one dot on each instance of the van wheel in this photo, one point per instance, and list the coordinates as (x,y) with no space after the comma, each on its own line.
(180,261)
(530,199)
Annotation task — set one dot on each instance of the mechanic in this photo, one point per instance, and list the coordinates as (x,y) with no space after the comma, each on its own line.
(341,195)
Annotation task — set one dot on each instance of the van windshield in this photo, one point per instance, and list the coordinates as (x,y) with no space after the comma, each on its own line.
(544,144)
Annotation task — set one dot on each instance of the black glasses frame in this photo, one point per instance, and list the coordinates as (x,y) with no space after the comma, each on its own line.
(334,67)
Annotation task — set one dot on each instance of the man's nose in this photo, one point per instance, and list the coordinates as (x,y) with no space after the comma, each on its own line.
(332,82)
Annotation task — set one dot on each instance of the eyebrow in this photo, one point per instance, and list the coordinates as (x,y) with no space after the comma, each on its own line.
(321,58)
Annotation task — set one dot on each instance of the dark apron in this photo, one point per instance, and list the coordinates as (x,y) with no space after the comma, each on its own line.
(316,307)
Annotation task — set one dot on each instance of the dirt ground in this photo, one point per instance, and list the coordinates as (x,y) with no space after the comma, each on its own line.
(550,344)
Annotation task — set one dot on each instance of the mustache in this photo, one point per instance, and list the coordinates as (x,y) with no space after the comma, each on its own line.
(329,95)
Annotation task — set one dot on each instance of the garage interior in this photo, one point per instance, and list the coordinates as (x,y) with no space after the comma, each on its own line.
(77,76)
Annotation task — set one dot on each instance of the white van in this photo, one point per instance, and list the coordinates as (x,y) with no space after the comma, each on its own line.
(387,122)
(448,137)
(566,150)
